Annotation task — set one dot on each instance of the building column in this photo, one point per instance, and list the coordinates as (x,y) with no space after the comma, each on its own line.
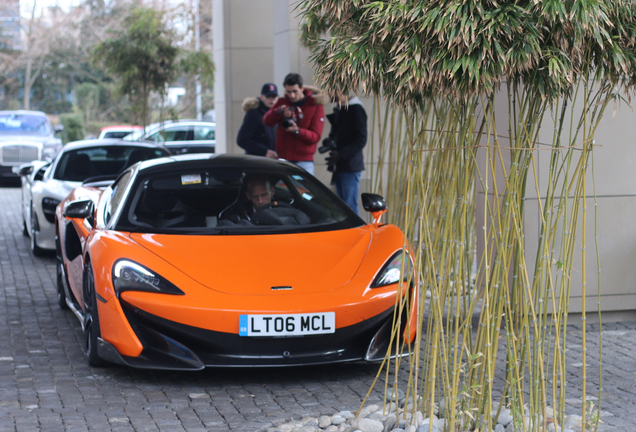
(243,57)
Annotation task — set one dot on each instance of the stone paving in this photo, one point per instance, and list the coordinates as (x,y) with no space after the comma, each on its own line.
(46,385)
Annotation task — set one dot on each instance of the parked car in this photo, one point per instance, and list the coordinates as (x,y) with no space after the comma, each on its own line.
(45,184)
(25,136)
(119,131)
(183,136)
(160,278)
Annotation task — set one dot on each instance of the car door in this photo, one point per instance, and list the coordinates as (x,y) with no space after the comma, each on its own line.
(177,138)
(204,138)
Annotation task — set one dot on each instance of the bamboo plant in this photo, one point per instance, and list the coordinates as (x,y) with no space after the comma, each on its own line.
(463,91)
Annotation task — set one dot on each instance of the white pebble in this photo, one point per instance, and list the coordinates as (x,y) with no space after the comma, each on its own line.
(373,408)
(347,414)
(324,421)
(505,417)
(369,425)
(337,419)
(419,419)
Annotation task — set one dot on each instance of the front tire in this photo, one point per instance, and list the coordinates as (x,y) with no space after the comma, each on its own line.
(91,319)
(35,249)
(61,294)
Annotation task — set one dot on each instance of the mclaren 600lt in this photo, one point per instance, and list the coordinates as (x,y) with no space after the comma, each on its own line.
(204,260)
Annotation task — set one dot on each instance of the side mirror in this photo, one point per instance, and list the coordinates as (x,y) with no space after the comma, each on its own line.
(374,204)
(25,170)
(57,129)
(81,209)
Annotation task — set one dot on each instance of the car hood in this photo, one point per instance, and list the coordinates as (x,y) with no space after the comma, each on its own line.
(258,264)
(34,139)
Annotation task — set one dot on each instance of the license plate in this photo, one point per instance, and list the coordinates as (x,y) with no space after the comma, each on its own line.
(287,325)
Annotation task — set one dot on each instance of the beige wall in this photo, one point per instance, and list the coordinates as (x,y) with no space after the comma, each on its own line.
(615,178)
(611,176)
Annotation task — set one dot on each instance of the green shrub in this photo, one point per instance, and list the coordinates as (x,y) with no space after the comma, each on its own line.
(73,127)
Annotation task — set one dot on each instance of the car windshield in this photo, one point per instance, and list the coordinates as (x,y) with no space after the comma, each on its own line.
(224,201)
(81,164)
(24,124)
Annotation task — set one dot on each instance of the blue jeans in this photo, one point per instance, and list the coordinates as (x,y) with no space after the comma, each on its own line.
(347,186)
(306,165)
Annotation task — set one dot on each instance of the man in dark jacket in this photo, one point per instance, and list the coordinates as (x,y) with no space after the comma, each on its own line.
(253,136)
(300,117)
(349,136)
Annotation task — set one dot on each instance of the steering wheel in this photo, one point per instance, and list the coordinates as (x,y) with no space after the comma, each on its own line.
(263,216)
(273,204)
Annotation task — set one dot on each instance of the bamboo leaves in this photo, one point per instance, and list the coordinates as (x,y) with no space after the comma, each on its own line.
(467,87)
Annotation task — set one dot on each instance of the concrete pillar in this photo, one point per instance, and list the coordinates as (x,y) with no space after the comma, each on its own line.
(243,56)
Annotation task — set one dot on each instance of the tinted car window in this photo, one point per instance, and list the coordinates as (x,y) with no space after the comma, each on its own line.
(81,164)
(203,133)
(118,134)
(174,133)
(116,197)
(24,124)
(198,202)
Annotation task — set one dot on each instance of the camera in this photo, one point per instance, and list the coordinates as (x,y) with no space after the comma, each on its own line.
(328,144)
(291,115)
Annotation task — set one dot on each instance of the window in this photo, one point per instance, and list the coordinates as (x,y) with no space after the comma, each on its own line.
(174,133)
(204,133)
(81,164)
(24,124)
(115,198)
(215,201)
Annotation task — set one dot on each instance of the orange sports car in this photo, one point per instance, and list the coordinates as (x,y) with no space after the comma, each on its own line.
(225,260)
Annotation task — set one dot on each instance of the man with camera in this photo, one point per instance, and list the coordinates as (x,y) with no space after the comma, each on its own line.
(300,117)
(345,142)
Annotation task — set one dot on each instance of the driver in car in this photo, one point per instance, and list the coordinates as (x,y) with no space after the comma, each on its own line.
(258,191)
(260,209)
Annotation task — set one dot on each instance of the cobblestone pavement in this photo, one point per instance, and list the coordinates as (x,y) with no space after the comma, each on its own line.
(46,385)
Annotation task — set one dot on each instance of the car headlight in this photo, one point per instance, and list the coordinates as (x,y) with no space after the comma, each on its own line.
(391,271)
(50,149)
(130,276)
(48,208)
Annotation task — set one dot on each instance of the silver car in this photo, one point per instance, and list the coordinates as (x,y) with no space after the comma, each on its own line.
(183,136)
(45,184)
(25,136)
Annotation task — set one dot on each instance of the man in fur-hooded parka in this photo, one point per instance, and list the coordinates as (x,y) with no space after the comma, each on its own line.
(253,136)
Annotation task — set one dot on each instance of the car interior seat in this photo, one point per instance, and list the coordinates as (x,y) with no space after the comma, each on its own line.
(163,209)
(138,155)
(79,168)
